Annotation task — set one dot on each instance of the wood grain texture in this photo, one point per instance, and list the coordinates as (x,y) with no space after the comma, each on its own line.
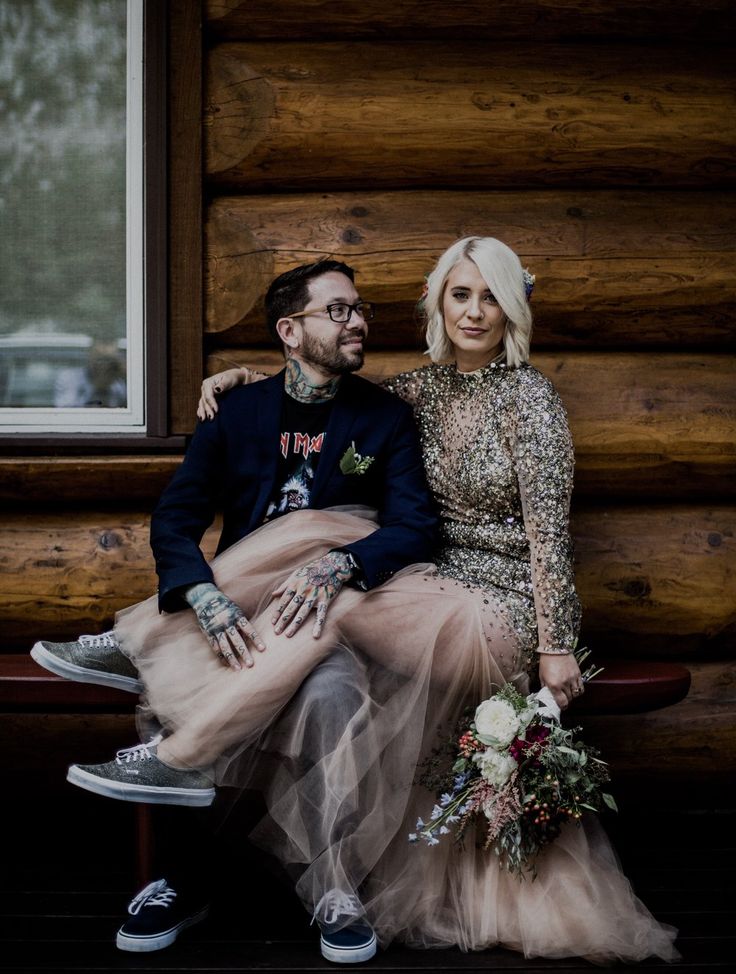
(646,576)
(538,20)
(343,116)
(645,425)
(185,211)
(643,268)
(69,572)
(692,741)
(80,480)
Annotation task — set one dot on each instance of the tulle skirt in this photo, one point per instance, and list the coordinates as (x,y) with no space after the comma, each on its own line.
(335,730)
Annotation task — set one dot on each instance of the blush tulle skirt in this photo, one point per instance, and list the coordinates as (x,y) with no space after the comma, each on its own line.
(334,732)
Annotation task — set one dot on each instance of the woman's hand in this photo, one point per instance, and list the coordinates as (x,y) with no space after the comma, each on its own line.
(214,386)
(561,673)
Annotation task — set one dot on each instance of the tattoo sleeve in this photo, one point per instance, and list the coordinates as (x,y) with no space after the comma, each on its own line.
(214,610)
(330,572)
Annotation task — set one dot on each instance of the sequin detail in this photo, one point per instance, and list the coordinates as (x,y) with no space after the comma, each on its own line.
(499,459)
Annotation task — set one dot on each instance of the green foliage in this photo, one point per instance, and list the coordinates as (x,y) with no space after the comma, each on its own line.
(62,166)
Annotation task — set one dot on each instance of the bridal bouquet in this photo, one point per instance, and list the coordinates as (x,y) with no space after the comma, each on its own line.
(521,774)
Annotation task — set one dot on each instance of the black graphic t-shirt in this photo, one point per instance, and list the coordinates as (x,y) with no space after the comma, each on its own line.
(302,436)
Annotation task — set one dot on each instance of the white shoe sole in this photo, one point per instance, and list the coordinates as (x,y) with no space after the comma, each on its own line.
(348,955)
(80,674)
(140,945)
(147,794)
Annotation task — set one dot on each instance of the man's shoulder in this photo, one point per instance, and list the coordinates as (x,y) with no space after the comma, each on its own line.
(371,396)
(234,400)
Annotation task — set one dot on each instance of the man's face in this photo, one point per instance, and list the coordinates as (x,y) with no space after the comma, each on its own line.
(335,347)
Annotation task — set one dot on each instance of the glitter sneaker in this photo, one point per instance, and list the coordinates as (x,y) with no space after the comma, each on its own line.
(157,915)
(137,775)
(347,937)
(90,659)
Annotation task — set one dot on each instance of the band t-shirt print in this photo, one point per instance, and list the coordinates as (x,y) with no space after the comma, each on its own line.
(301,438)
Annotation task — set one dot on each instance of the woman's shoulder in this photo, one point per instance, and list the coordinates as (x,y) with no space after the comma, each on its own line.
(527,380)
(408,385)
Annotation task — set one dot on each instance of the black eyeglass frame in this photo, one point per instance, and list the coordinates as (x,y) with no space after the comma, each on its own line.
(359,306)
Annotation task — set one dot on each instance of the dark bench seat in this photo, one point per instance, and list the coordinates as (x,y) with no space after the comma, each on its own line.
(622,688)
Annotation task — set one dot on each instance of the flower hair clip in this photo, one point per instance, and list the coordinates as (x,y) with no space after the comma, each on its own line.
(529,280)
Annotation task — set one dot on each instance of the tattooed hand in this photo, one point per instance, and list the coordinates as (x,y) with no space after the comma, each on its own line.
(224,624)
(312,587)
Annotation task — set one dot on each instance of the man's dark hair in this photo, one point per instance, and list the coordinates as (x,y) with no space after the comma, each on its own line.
(289,292)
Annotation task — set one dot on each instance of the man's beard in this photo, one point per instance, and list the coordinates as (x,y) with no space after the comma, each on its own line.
(331,357)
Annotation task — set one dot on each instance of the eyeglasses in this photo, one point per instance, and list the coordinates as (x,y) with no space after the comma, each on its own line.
(342,312)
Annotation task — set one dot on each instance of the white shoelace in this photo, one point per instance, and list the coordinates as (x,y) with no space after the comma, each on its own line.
(338,903)
(104,640)
(158,893)
(139,752)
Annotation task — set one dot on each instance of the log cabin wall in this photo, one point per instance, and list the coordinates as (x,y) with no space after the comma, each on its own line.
(596,138)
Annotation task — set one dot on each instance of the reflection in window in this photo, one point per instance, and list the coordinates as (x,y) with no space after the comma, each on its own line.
(64,206)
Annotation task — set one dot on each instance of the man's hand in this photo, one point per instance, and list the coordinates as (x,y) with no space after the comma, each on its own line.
(224,625)
(561,673)
(314,586)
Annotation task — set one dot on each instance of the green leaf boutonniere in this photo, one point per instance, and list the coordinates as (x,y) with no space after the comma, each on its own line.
(353,462)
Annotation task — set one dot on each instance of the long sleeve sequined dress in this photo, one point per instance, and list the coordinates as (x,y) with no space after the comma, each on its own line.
(407,658)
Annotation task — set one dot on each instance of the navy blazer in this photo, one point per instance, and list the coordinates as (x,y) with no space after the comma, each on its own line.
(232,464)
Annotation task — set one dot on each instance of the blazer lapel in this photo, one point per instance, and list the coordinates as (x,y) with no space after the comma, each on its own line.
(268,424)
(337,436)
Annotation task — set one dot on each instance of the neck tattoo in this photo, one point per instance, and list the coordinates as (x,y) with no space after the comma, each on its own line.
(301,388)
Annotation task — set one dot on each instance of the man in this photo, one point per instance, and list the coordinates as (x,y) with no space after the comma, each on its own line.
(275,446)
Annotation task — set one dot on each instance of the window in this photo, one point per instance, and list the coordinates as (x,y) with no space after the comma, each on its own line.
(73,247)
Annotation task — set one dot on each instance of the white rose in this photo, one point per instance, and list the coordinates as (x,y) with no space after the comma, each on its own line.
(495,768)
(496,723)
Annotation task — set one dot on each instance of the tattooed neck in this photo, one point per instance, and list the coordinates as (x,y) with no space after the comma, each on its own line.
(300,387)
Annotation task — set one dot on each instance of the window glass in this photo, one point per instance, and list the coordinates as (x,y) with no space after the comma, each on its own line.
(71,341)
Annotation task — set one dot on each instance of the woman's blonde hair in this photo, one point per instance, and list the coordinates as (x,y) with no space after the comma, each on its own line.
(502,271)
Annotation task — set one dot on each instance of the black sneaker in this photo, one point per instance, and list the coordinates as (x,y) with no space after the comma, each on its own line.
(157,917)
(137,775)
(347,937)
(90,659)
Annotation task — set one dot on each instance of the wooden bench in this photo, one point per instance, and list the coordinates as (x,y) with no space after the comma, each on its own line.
(624,687)
(25,687)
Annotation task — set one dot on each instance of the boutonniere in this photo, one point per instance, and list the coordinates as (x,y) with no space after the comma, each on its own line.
(352,461)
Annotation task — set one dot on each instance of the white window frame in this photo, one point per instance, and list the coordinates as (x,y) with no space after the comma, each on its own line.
(34,420)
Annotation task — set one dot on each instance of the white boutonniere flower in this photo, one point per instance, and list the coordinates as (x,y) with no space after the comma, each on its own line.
(353,462)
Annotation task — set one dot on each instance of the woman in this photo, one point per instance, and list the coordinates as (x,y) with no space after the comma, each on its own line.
(498,602)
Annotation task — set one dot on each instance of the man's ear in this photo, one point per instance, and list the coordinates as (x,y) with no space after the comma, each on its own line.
(289,332)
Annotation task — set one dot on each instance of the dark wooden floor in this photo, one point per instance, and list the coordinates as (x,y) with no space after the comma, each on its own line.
(61,905)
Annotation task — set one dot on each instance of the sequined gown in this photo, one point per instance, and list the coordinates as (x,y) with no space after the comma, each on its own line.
(336,755)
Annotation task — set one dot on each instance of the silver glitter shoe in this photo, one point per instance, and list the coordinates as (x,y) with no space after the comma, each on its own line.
(90,659)
(137,775)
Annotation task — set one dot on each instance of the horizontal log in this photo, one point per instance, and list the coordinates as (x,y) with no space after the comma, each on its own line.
(656,425)
(77,480)
(343,116)
(626,269)
(652,580)
(63,575)
(538,20)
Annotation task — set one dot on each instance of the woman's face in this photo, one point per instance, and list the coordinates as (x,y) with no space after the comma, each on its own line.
(474,322)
